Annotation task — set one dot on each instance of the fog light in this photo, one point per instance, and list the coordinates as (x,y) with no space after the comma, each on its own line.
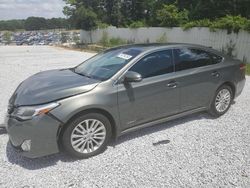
(26,145)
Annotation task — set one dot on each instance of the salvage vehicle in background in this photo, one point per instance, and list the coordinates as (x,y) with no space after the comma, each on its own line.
(80,109)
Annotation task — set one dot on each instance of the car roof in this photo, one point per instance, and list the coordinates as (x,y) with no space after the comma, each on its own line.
(155,46)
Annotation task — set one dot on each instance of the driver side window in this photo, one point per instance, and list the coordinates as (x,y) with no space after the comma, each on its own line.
(155,64)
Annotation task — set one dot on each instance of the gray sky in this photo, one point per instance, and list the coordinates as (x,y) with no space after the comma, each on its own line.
(19,9)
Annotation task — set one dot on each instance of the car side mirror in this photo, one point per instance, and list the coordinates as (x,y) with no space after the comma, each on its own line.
(132,76)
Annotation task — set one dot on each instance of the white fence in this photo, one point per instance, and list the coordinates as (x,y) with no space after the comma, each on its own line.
(218,40)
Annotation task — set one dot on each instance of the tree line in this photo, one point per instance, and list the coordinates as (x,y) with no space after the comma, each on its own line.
(34,23)
(89,14)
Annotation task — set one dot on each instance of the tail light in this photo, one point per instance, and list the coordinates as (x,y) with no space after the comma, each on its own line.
(242,66)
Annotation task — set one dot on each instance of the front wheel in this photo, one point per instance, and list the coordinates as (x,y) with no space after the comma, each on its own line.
(222,101)
(87,135)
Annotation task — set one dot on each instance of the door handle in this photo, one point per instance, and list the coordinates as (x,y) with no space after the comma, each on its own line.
(172,84)
(215,74)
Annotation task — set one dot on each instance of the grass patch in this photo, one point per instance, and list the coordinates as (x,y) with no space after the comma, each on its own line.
(111,42)
(117,42)
(248,69)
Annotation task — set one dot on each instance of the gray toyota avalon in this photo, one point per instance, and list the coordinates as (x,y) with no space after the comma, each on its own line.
(78,110)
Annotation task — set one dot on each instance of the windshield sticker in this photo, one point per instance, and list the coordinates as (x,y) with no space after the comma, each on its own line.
(124,56)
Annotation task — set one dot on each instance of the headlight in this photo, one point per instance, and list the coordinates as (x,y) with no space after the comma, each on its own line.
(28,112)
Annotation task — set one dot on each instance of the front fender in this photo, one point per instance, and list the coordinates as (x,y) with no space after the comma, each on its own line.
(95,99)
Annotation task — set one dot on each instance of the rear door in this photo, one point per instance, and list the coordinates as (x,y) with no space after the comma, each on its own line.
(197,76)
(156,96)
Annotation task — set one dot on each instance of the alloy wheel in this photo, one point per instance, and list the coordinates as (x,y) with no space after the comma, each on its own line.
(88,136)
(222,100)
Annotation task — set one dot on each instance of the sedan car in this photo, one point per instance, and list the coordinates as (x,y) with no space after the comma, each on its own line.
(78,110)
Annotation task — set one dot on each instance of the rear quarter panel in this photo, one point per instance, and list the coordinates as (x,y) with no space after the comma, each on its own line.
(230,72)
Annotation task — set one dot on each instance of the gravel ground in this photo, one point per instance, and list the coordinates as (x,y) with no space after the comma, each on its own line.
(197,151)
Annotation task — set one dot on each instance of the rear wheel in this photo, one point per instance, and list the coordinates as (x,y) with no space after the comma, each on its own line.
(87,135)
(222,101)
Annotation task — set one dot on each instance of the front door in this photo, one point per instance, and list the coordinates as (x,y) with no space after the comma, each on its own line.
(155,97)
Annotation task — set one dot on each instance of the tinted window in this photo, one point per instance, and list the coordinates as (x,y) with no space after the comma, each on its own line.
(155,64)
(216,59)
(191,58)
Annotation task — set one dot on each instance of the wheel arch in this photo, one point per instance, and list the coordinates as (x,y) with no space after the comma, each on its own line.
(231,85)
(227,83)
(87,111)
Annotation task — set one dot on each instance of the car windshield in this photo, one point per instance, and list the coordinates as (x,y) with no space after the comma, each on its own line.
(104,65)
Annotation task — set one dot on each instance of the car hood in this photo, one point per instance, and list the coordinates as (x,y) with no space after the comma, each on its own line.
(51,85)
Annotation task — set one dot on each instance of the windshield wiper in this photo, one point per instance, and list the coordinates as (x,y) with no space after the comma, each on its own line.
(82,74)
(88,76)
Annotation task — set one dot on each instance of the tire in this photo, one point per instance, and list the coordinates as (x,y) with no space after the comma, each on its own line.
(77,139)
(216,111)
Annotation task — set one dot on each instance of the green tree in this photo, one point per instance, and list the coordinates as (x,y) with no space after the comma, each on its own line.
(138,11)
(57,23)
(35,23)
(76,38)
(170,16)
(113,12)
(11,25)
(64,37)
(211,9)
(151,12)
(81,14)
(7,37)
(85,18)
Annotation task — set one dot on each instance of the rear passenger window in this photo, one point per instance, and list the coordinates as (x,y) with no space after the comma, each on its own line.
(216,58)
(155,64)
(186,58)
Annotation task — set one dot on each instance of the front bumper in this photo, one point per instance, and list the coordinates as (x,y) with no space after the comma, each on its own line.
(42,131)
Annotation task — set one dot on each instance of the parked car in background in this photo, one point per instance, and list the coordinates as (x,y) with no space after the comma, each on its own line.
(78,110)
(36,38)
